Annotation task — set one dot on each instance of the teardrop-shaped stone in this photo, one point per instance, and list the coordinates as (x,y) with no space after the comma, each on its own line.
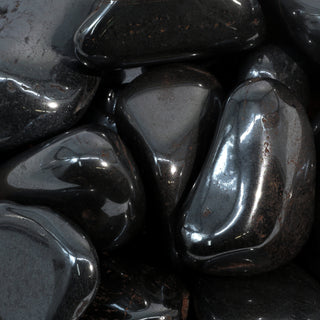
(251,208)
(43,90)
(167,117)
(86,174)
(287,293)
(302,18)
(131,33)
(48,268)
(130,290)
(284,65)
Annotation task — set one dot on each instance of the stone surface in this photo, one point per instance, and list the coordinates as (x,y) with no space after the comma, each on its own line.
(48,268)
(302,18)
(273,62)
(86,174)
(167,117)
(251,207)
(43,90)
(136,291)
(287,293)
(132,33)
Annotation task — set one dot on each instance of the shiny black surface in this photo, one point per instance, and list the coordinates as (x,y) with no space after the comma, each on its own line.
(48,268)
(302,18)
(86,174)
(167,117)
(42,89)
(132,33)
(285,294)
(251,208)
(137,292)
(273,62)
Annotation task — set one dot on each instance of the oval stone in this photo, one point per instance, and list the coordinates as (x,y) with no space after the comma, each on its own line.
(251,207)
(49,269)
(88,175)
(126,33)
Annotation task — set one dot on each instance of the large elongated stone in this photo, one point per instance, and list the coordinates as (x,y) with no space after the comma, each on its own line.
(251,208)
(86,174)
(167,117)
(42,88)
(124,33)
(287,293)
(48,268)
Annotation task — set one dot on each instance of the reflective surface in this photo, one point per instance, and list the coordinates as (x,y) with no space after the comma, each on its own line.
(42,89)
(133,33)
(86,174)
(48,269)
(274,63)
(252,206)
(137,292)
(288,293)
(302,18)
(167,117)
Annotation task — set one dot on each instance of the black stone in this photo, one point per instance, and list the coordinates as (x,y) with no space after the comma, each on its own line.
(130,290)
(287,293)
(302,18)
(251,208)
(48,268)
(273,62)
(42,88)
(126,33)
(86,174)
(167,117)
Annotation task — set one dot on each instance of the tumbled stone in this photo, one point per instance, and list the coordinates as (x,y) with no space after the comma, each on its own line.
(273,62)
(130,290)
(287,293)
(132,33)
(86,174)
(167,117)
(302,18)
(43,90)
(48,269)
(251,207)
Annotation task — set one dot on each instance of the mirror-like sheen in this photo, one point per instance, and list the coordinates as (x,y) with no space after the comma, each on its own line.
(251,208)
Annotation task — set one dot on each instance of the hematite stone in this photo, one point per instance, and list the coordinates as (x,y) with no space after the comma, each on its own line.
(251,208)
(130,290)
(129,33)
(42,89)
(302,18)
(86,174)
(48,268)
(167,117)
(275,63)
(287,293)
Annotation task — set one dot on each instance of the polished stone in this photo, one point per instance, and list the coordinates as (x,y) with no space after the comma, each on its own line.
(48,269)
(137,292)
(273,62)
(43,90)
(86,174)
(133,33)
(302,18)
(251,207)
(167,117)
(287,293)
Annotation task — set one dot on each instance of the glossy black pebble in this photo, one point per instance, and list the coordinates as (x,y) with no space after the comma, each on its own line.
(48,268)
(86,174)
(285,294)
(43,91)
(135,291)
(251,208)
(273,62)
(125,33)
